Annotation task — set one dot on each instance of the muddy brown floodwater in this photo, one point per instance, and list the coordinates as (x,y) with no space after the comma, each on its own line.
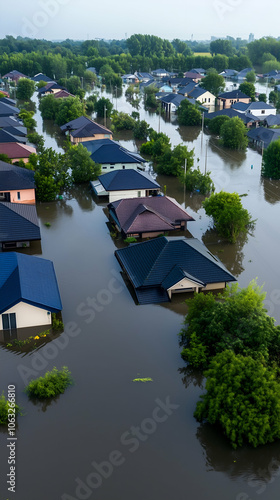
(107,437)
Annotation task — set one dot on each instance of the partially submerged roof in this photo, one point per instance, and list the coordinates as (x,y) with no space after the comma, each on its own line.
(80,123)
(15,178)
(150,213)
(264,135)
(233,94)
(122,180)
(108,151)
(156,264)
(25,278)
(40,77)
(8,110)
(6,137)
(18,222)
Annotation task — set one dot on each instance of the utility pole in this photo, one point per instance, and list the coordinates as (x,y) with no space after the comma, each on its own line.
(105,109)
(206,156)
(262,153)
(159,113)
(185,171)
(202,128)
(116,97)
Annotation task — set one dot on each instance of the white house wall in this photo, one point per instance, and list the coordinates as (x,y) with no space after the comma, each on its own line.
(28,315)
(107,167)
(121,195)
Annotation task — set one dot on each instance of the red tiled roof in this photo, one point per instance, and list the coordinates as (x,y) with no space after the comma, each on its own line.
(16,150)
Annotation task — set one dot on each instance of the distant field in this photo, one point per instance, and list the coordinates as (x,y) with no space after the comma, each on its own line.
(205,54)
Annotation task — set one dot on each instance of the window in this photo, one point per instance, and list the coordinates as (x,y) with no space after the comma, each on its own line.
(2,196)
(139,194)
(123,167)
(9,321)
(18,195)
(263,111)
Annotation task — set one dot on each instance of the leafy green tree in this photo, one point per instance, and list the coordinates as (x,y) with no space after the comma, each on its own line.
(5,158)
(83,168)
(40,84)
(213,82)
(271,161)
(49,106)
(27,117)
(37,140)
(222,47)
(68,109)
(25,89)
(150,96)
(141,130)
(188,114)
(262,98)
(122,121)
(243,397)
(215,124)
(271,65)
(274,98)
(100,105)
(248,88)
(195,180)
(236,319)
(46,187)
(171,162)
(51,174)
(251,76)
(230,218)
(233,134)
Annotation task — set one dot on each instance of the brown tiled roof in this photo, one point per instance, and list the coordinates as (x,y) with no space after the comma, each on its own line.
(16,150)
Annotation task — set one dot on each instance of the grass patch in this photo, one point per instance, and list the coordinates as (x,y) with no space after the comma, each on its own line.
(4,407)
(130,239)
(51,384)
(148,379)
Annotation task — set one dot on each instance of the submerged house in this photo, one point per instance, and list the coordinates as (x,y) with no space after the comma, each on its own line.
(160,267)
(28,291)
(227,99)
(112,156)
(149,216)
(17,184)
(128,183)
(83,129)
(18,225)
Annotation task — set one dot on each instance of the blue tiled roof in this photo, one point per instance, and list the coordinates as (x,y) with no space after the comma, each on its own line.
(233,94)
(28,279)
(18,222)
(7,110)
(156,263)
(13,178)
(108,151)
(119,180)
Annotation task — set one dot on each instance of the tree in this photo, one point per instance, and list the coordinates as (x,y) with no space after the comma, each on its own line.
(271,161)
(188,114)
(100,106)
(83,168)
(195,180)
(5,158)
(122,121)
(233,134)
(236,319)
(25,89)
(51,174)
(230,218)
(68,109)
(27,117)
(215,124)
(222,47)
(171,162)
(251,76)
(262,98)
(243,397)
(248,88)
(36,139)
(213,82)
(141,130)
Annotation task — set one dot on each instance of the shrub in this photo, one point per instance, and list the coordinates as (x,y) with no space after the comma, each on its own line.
(4,407)
(51,384)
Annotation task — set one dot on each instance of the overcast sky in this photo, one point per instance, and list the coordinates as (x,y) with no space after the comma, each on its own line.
(90,19)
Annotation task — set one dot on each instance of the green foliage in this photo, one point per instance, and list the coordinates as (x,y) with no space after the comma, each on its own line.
(130,239)
(195,180)
(236,321)
(230,218)
(271,161)
(4,410)
(258,48)
(51,175)
(37,140)
(5,158)
(233,134)
(213,82)
(215,124)
(251,76)
(57,324)
(53,383)
(243,397)
(147,379)
(274,98)
(141,129)
(221,46)
(61,110)
(27,118)
(90,102)
(271,65)
(40,84)
(168,161)
(149,45)
(122,121)
(100,105)
(188,114)
(195,353)
(149,96)
(262,98)
(25,89)
(83,168)
(248,88)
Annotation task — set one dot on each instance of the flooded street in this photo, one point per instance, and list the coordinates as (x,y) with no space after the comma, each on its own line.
(108,438)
